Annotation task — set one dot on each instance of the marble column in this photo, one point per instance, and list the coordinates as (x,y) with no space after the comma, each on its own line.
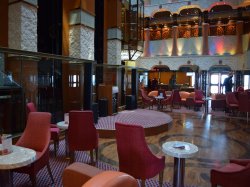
(22,33)
(81,34)
(239,32)
(205,33)
(114,46)
(146,51)
(175,34)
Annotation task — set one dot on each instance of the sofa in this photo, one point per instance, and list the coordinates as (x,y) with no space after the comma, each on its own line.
(80,174)
(218,101)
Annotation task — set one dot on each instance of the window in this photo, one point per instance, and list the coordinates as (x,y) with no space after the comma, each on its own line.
(74,81)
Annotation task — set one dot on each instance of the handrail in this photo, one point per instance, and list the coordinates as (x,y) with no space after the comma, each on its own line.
(42,55)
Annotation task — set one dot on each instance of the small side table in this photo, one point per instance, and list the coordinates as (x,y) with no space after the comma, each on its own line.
(20,156)
(180,151)
(63,125)
(159,99)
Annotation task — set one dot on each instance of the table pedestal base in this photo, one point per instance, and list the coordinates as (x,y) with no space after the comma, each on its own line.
(6,178)
(179,172)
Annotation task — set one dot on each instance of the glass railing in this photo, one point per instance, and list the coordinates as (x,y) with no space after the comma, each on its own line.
(56,84)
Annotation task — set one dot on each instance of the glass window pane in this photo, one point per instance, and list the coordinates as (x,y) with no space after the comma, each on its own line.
(214,89)
(214,79)
(246,82)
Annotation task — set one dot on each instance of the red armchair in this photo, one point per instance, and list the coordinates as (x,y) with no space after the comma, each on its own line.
(146,100)
(135,158)
(244,103)
(54,130)
(232,102)
(176,100)
(235,173)
(198,99)
(168,102)
(36,136)
(82,134)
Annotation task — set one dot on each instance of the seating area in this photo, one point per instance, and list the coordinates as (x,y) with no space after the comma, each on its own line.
(149,93)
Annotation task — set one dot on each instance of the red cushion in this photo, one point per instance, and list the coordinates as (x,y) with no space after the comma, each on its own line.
(232,168)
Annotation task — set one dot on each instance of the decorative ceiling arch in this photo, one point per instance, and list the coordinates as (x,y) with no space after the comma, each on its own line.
(160,67)
(188,68)
(186,7)
(159,11)
(219,68)
(224,6)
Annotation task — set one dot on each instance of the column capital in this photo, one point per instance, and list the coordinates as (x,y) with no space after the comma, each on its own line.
(31,2)
(81,17)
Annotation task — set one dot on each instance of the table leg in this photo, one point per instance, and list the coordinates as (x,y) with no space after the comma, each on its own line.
(179,172)
(6,178)
(66,144)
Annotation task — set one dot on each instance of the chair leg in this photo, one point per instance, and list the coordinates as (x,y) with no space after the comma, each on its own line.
(91,157)
(96,154)
(55,147)
(72,157)
(143,183)
(50,173)
(161,178)
(33,179)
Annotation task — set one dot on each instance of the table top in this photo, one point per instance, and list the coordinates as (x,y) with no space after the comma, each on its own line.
(159,97)
(179,149)
(19,157)
(62,125)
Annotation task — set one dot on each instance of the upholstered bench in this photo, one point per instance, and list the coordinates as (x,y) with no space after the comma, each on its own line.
(83,175)
(76,174)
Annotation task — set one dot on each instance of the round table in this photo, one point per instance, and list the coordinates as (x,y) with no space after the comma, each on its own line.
(63,125)
(159,99)
(180,151)
(19,157)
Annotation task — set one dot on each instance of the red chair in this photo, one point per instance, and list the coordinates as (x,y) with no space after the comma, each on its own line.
(235,173)
(36,136)
(176,98)
(198,99)
(82,134)
(232,102)
(135,158)
(146,100)
(54,130)
(168,102)
(244,103)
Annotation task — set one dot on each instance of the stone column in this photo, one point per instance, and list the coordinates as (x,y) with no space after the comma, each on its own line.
(205,33)
(146,51)
(22,25)
(175,34)
(114,46)
(113,32)
(81,34)
(239,32)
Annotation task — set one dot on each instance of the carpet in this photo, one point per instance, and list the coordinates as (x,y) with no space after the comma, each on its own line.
(60,162)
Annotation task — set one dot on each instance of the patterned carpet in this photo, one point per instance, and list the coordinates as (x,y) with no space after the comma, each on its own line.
(59,163)
(144,117)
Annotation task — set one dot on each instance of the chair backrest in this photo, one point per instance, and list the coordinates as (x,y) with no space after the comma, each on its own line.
(176,96)
(31,107)
(111,179)
(36,135)
(144,96)
(198,94)
(231,98)
(82,134)
(133,152)
(244,102)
